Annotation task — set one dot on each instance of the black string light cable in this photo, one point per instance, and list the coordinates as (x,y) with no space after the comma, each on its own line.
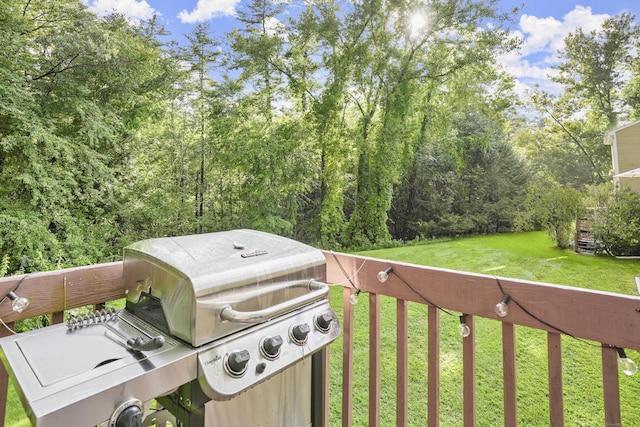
(419,294)
(382,277)
(627,365)
(464,329)
(508,298)
(353,299)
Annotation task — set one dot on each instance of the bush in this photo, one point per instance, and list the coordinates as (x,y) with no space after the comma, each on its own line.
(617,226)
(446,225)
(553,208)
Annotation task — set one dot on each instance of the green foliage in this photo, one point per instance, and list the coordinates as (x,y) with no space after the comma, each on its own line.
(595,66)
(477,187)
(74,91)
(553,208)
(390,85)
(30,245)
(616,224)
(567,147)
(339,126)
(4,265)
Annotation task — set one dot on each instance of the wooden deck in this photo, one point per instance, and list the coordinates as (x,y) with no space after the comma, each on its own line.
(557,310)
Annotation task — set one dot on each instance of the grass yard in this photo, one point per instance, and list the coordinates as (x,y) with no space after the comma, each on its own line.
(527,256)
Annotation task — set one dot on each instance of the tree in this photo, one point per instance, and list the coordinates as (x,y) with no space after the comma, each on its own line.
(570,147)
(255,48)
(318,67)
(396,62)
(200,54)
(268,150)
(476,188)
(76,89)
(595,67)
(597,94)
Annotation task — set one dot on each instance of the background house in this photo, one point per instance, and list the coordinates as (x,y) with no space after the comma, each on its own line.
(625,154)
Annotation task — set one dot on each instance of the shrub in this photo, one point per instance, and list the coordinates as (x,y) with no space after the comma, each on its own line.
(617,226)
(553,208)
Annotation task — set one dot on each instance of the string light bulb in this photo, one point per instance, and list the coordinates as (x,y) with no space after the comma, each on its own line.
(384,275)
(464,329)
(18,303)
(627,365)
(353,299)
(502,308)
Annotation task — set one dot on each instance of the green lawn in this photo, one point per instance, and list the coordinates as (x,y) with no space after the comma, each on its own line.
(527,256)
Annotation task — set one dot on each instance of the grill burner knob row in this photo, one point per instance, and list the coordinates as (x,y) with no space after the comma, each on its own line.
(299,333)
(323,321)
(270,346)
(236,362)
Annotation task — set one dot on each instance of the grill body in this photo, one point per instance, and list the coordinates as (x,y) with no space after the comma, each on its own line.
(226,328)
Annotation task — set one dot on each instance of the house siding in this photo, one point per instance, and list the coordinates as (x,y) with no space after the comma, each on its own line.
(625,153)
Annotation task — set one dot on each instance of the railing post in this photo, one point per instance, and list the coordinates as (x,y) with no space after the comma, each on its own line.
(5,331)
(556,399)
(57,317)
(347,359)
(433,375)
(402,384)
(374,360)
(469,374)
(509,374)
(611,387)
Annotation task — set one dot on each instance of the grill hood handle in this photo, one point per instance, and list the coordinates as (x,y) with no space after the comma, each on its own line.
(318,291)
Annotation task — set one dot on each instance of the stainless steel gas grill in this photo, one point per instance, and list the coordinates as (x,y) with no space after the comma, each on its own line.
(222,329)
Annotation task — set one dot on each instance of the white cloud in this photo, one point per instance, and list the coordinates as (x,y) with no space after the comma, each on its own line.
(274,26)
(542,39)
(207,9)
(546,35)
(135,10)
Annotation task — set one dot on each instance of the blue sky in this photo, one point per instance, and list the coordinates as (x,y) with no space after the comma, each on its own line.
(542,24)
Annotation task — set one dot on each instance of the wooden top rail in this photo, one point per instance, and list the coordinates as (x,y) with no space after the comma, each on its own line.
(59,290)
(603,317)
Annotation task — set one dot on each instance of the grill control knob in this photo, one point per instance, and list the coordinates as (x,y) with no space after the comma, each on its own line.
(271,346)
(299,333)
(236,363)
(128,414)
(323,321)
(130,417)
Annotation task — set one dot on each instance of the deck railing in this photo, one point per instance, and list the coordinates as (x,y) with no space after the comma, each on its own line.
(610,319)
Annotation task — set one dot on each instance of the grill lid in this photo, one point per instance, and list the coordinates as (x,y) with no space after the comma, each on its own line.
(210,285)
